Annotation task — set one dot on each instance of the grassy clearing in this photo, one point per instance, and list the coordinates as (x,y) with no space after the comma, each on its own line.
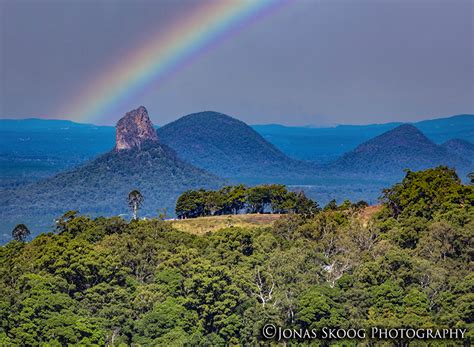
(368,213)
(202,225)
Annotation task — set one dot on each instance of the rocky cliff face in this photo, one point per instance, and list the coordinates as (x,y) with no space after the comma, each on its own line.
(134,129)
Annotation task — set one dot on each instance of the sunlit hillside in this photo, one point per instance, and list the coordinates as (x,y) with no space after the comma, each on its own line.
(202,225)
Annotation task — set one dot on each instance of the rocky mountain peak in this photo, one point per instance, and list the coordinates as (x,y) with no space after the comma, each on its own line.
(134,129)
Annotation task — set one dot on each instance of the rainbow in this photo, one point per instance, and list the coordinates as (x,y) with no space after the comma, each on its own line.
(154,60)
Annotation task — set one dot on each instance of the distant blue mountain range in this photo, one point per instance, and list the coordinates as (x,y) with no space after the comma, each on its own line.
(325,144)
(35,148)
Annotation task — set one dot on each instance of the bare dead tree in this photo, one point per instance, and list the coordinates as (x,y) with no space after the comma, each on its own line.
(135,200)
(264,290)
(364,237)
(336,270)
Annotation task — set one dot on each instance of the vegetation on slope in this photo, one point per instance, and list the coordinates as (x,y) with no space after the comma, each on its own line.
(387,155)
(229,148)
(99,187)
(106,281)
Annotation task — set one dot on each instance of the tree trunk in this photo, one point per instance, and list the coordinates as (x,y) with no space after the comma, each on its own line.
(135,210)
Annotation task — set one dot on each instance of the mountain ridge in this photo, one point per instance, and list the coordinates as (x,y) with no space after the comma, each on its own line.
(327,143)
(463,116)
(35,149)
(404,147)
(97,186)
(456,118)
(228,147)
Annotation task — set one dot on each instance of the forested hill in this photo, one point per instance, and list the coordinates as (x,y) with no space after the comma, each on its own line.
(229,148)
(324,144)
(31,149)
(387,155)
(105,281)
(101,186)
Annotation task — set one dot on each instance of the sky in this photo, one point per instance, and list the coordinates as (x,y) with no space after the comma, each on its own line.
(307,62)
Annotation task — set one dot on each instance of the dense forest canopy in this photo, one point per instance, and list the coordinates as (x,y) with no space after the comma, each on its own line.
(109,281)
